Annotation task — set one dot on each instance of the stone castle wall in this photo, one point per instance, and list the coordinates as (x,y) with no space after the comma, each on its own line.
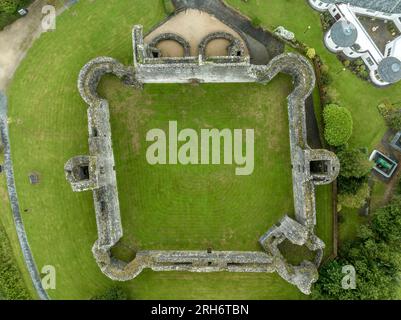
(219,70)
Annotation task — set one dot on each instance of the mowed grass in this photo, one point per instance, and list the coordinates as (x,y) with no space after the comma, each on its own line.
(201,206)
(165,207)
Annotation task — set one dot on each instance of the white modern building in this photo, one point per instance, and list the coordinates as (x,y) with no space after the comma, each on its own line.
(349,36)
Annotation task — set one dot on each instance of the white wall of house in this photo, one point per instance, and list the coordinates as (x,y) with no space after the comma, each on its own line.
(365,47)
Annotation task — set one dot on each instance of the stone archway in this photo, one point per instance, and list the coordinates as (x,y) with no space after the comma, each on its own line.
(169,37)
(235,48)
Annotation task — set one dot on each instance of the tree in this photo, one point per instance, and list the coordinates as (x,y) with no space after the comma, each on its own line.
(8,6)
(351,185)
(386,223)
(375,255)
(391,115)
(112,293)
(355,200)
(338,124)
(354,163)
(329,284)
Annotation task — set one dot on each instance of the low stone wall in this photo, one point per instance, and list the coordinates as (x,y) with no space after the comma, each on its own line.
(236,46)
(174,37)
(299,232)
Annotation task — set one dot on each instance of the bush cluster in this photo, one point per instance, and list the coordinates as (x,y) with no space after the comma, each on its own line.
(353,188)
(12,286)
(338,125)
(112,293)
(168,7)
(391,115)
(376,256)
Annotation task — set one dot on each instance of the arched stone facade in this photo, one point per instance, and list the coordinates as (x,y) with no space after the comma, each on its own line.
(173,37)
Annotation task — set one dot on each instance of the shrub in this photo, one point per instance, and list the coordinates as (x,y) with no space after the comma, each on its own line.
(391,115)
(12,286)
(354,163)
(112,293)
(9,6)
(351,185)
(256,22)
(168,7)
(338,125)
(357,200)
(311,53)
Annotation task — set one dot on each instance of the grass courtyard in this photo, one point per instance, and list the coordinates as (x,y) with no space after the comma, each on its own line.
(163,207)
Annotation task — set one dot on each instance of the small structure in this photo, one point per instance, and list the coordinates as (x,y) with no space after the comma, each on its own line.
(383,164)
(34,178)
(284,33)
(23,12)
(396,142)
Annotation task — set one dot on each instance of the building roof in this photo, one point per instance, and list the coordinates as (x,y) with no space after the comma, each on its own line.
(344,33)
(389,6)
(390,69)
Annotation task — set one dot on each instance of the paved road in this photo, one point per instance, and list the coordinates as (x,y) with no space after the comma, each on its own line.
(12,192)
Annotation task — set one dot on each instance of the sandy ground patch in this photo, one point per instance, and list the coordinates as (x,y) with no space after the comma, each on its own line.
(193,25)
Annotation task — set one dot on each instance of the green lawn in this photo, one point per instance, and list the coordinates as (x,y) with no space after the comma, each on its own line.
(166,207)
(196,207)
(9,240)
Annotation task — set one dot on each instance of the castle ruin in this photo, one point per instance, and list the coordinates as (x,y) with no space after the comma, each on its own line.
(96,171)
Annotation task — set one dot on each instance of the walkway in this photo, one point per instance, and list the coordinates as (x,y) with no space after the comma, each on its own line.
(12,192)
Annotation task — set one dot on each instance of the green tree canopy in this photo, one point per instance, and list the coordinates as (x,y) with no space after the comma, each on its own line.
(112,293)
(338,124)
(356,200)
(375,255)
(9,6)
(354,163)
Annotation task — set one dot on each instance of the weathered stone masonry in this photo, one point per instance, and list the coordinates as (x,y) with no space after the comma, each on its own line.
(96,172)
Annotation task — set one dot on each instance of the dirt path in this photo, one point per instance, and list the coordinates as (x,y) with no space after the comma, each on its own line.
(17,38)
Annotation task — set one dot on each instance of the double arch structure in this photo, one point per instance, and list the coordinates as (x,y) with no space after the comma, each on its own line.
(96,171)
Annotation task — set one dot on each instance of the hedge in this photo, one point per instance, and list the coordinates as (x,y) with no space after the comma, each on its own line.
(11,283)
(338,125)
(168,7)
